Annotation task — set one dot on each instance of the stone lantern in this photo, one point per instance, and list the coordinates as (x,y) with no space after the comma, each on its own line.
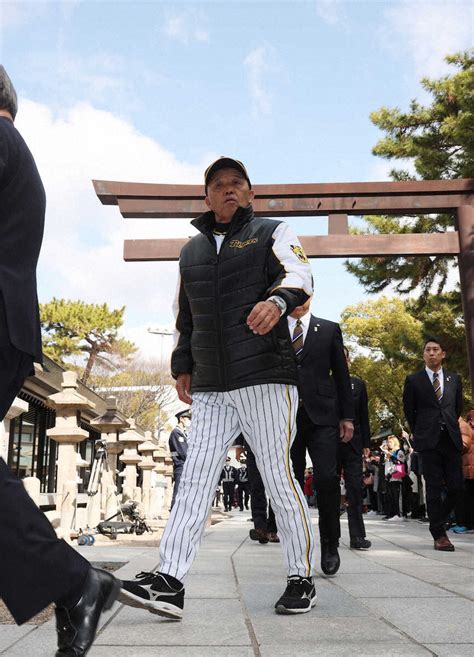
(17,408)
(147,464)
(130,440)
(68,405)
(158,492)
(110,424)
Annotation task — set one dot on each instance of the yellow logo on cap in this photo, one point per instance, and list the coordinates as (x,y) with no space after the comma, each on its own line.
(299,253)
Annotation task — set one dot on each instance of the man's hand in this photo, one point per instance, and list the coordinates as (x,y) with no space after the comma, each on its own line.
(346,430)
(183,387)
(366,452)
(263,317)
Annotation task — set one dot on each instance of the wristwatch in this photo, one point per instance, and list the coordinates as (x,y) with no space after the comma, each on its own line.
(279,303)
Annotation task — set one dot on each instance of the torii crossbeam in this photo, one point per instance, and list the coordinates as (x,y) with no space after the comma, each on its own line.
(336,201)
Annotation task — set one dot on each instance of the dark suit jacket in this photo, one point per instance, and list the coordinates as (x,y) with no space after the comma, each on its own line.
(323,377)
(425,413)
(361,437)
(22,208)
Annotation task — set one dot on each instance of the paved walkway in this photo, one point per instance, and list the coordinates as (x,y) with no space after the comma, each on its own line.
(400,598)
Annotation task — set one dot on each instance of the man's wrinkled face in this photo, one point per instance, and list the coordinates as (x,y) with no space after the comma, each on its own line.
(433,355)
(226,191)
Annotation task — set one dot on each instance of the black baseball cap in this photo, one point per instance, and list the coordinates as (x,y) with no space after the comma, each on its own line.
(225,163)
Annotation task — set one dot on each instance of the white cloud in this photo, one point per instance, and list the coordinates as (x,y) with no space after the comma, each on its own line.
(429,30)
(82,249)
(186,27)
(15,13)
(331,12)
(257,64)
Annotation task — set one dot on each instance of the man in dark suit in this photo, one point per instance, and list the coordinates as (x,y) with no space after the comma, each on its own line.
(350,461)
(35,567)
(432,400)
(325,397)
(178,444)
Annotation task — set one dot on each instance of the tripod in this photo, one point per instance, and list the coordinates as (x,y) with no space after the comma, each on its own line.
(99,465)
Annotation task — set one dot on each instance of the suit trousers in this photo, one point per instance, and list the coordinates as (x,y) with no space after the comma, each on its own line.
(228,488)
(322,445)
(36,568)
(442,467)
(262,519)
(243,493)
(350,461)
(177,471)
(265,414)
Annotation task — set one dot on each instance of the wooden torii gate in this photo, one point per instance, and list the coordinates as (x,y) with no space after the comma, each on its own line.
(336,201)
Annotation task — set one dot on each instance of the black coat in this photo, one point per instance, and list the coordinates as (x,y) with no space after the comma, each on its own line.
(361,437)
(425,414)
(22,210)
(323,377)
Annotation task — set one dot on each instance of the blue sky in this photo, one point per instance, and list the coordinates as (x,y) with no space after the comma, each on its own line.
(154,91)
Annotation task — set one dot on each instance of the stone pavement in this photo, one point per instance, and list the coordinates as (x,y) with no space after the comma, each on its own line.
(400,598)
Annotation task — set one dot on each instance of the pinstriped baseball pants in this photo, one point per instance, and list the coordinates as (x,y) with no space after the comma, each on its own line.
(266,415)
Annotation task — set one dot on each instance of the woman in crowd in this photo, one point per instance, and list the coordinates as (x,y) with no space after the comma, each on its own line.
(394,472)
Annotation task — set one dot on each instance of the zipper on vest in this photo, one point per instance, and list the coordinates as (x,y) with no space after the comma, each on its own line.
(221,335)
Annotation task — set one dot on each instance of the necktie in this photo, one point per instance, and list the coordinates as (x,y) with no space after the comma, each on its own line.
(437,386)
(297,339)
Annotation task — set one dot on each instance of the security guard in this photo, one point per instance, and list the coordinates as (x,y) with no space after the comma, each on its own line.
(228,480)
(178,443)
(243,483)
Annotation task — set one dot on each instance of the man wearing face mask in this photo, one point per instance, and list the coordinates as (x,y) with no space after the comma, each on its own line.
(178,444)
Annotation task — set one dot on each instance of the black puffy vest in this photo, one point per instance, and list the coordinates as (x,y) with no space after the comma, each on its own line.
(221,290)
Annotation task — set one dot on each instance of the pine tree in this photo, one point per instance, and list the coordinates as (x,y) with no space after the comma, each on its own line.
(75,328)
(439,142)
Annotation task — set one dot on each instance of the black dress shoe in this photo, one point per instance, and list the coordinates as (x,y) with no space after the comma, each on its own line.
(330,560)
(360,543)
(258,535)
(76,627)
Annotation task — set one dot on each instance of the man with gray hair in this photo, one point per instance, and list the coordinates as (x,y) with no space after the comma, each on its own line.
(36,568)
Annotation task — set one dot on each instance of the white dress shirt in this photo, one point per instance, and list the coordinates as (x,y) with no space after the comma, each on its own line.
(304,321)
(440,377)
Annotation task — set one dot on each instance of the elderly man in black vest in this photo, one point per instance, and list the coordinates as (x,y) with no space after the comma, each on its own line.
(239,278)
(35,567)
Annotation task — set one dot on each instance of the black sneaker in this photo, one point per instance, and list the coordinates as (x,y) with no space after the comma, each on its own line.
(299,596)
(159,593)
(360,543)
